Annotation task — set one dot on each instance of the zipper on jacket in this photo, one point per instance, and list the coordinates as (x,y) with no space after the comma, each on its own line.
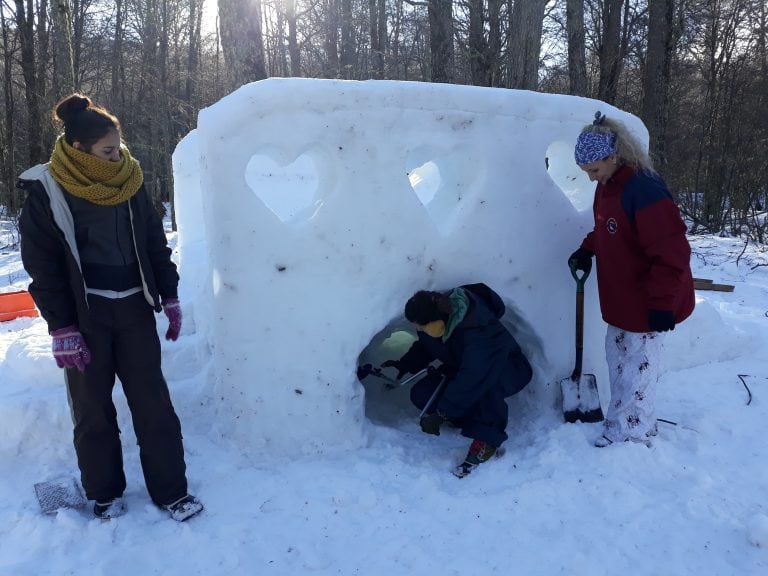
(144,287)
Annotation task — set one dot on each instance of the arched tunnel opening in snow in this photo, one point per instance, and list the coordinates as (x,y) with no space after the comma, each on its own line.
(388,404)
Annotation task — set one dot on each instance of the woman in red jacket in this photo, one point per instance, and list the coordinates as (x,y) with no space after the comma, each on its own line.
(643,271)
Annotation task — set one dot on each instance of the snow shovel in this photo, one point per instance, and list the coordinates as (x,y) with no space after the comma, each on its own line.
(580,396)
(59,493)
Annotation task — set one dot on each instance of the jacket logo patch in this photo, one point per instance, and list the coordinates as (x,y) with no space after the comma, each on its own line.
(612,225)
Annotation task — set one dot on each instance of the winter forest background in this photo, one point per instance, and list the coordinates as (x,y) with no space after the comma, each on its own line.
(695,71)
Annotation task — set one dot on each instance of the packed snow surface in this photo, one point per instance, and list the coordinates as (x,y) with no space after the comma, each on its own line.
(293,487)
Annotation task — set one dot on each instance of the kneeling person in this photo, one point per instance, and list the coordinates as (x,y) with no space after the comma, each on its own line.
(482,364)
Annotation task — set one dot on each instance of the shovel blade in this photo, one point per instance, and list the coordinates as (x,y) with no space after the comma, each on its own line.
(581,400)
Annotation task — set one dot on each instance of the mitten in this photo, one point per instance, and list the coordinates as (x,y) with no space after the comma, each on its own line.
(661,320)
(397,366)
(581,259)
(431,423)
(70,349)
(172,309)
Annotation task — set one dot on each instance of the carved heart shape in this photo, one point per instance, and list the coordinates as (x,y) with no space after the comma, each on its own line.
(440,181)
(571,179)
(289,190)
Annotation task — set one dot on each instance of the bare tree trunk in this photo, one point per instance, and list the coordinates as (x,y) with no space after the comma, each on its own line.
(282,49)
(193,56)
(268,34)
(10,197)
(78,11)
(25,26)
(43,55)
(373,33)
(293,43)
(347,40)
(441,40)
(493,54)
(162,107)
(63,63)
(332,40)
(577,64)
(148,99)
(242,41)
(164,120)
(380,61)
(609,51)
(478,48)
(117,57)
(525,29)
(396,31)
(762,32)
(656,78)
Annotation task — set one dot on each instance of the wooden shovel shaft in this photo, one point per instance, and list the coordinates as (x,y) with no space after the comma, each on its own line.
(579,332)
(580,280)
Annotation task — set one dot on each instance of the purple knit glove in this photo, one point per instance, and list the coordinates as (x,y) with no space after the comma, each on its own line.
(70,349)
(172,309)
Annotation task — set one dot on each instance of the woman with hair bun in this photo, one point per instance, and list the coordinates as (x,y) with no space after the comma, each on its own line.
(643,272)
(96,252)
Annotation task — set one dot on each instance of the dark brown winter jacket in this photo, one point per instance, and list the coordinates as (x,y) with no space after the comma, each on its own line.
(50,257)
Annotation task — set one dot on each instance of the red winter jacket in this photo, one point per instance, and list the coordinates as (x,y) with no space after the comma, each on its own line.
(641,252)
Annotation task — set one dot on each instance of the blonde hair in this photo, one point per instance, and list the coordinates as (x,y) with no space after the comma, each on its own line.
(628,148)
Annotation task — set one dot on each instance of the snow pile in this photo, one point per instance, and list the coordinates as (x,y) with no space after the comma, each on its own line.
(326,204)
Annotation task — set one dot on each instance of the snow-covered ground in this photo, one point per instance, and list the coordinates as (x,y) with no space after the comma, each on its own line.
(694,503)
(390,188)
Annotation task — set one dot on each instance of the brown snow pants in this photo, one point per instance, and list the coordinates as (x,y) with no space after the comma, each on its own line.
(123,341)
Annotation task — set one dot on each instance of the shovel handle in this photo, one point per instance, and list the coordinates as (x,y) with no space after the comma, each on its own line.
(579,335)
(580,280)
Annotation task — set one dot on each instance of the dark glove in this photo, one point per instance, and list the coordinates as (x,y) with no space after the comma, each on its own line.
(70,349)
(172,309)
(661,320)
(396,365)
(581,260)
(430,424)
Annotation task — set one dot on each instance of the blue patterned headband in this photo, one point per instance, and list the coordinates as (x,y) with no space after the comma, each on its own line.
(594,146)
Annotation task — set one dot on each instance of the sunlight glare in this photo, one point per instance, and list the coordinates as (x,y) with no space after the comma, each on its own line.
(210,13)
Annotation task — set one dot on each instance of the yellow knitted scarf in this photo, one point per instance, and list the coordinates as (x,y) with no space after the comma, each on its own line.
(98,181)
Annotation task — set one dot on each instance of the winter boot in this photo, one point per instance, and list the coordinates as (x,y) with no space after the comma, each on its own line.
(479,452)
(184,508)
(109,509)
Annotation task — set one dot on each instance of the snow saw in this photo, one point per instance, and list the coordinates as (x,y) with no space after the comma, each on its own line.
(58,493)
(581,400)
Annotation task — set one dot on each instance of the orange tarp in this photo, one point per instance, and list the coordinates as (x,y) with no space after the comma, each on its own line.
(15,304)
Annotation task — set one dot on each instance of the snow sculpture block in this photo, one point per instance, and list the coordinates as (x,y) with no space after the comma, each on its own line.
(326,204)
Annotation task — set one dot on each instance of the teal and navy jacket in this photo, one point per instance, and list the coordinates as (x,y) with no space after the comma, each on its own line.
(477,355)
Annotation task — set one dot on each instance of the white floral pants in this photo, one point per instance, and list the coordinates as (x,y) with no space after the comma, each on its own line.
(634,365)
